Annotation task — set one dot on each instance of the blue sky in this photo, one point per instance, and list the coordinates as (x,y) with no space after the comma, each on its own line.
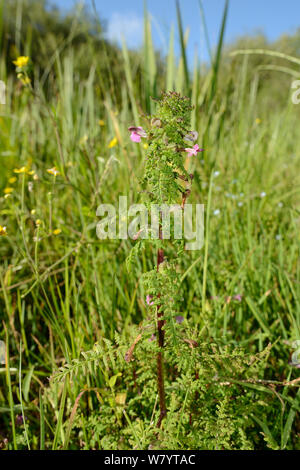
(273,17)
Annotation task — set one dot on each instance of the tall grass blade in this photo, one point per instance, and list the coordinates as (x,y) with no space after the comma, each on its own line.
(129,81)
(217,61)
(289,422)
(279,55)
(58,430)
(149,61)
(10,393)
(42,421)
(183,49)
(171,63)
(205,31)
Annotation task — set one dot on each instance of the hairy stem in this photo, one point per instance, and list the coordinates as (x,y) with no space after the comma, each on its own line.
(160,367)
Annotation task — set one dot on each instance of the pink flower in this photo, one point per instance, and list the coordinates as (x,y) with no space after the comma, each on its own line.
(148,300)
(194,150)
(179,319)
(135,137)
(19,420)
(238,297)
(137,133)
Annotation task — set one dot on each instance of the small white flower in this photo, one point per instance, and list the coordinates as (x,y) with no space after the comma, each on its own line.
(280,204)
(278,237)
(240,204)
(216,173)
(263,194)
(217,212)
(53,171)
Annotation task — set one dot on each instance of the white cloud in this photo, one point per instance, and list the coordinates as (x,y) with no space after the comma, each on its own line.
(130,26)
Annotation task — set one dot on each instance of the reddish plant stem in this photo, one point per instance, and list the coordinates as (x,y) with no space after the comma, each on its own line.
(160,367)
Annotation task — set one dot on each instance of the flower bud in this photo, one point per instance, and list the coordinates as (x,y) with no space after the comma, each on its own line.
(155,122)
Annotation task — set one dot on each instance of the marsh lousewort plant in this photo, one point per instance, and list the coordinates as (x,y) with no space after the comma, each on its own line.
(168,183)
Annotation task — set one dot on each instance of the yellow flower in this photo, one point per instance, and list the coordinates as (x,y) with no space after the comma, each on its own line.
(23,169)
(53,171)
(2,231)
(8,190)
(113,143)
(38,222)
(21,61)
(25,80)
(12,180)
(101,122)
(257,120)
(32,212)
(146,146)
(57,231)
(83,139)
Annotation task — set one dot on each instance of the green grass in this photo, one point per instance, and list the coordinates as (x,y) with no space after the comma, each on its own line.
(63,293)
